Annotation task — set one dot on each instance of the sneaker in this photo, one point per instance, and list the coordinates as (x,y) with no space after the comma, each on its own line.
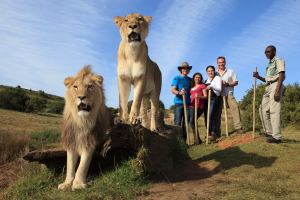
(273,140)
(240,131)
(265,134)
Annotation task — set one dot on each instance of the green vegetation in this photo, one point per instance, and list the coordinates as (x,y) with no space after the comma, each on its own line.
(38,182)
(161,105)
(290,112)
(23,100)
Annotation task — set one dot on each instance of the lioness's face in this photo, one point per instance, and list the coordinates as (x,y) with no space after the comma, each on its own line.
(133,27)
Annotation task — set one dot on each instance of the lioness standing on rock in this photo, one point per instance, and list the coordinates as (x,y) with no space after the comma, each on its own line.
(137,69)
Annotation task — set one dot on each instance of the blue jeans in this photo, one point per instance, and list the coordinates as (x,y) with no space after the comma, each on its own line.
(179,116)
(192,116)
(214,104)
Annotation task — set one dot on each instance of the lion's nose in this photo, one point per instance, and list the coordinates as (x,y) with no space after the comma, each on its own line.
(132,26)
(81,97)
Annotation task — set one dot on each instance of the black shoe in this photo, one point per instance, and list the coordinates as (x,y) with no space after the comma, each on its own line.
(265,134)
(273,140)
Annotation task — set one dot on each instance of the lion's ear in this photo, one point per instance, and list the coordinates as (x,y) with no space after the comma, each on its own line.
(148,19)
(118,21)
(69,81)
(98,80)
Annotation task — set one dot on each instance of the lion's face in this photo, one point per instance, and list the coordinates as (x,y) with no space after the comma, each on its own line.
(134,28)
(82,91)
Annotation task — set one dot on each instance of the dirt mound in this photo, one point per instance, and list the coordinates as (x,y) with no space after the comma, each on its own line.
(237,139)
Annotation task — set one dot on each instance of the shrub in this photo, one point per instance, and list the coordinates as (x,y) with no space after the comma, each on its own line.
(161,105)
(56,107)
(13,99)
(35,104)
(290,108)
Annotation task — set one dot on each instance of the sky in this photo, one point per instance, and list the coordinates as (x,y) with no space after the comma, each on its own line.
(43,42)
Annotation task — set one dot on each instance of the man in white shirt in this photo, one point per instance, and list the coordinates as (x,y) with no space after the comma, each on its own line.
(229,81)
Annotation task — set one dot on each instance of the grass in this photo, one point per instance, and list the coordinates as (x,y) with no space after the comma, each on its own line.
(255,170)
(38,182)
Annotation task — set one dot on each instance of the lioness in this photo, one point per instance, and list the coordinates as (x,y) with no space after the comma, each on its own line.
(136,68)
(85,121)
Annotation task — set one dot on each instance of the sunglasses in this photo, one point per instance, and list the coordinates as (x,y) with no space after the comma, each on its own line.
(267,52)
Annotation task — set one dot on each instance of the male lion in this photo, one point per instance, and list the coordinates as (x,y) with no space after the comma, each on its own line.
(136,68)
(85,121)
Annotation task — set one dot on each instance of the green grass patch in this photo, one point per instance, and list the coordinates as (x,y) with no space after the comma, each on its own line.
(38,182)
(45,138)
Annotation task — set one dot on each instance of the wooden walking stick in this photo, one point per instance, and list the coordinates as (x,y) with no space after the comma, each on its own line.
(185,119)
(225,111)
(196,120)
(254,98)
(208,116)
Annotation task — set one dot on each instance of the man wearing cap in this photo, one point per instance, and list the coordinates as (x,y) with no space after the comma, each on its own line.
(269,109)
(181,86)
(229,81)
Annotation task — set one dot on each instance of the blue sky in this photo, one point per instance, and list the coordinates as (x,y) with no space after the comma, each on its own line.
(43,42)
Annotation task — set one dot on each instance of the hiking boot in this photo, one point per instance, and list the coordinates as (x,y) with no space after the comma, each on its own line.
(273,140)
(240,131)
(212,136)
(265,134)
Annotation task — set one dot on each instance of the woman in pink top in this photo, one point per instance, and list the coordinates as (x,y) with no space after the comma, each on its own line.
(197,90)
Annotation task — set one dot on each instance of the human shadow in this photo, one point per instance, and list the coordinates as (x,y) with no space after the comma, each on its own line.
(227,159)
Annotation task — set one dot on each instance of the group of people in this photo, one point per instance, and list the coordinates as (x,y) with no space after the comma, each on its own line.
(221,83)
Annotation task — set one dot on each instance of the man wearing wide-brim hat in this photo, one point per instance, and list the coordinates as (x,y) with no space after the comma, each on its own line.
(181,86)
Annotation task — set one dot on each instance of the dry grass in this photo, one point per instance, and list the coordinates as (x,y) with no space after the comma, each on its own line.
(14,121)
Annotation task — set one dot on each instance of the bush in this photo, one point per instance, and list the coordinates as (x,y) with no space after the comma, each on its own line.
(161,105)
(13,99)
(35,104)
(290,108)
(56,107)
(113,110)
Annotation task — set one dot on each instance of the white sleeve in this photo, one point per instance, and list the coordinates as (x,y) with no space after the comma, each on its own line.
(216,84)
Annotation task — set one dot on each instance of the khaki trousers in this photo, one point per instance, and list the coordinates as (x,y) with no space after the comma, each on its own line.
(269,111)
(235,111)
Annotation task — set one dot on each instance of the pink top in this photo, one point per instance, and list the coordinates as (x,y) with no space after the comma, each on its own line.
(200,103)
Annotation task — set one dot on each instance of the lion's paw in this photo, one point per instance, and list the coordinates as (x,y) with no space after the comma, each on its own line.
(78,186)
(136,120)
(117,120)
(64,186)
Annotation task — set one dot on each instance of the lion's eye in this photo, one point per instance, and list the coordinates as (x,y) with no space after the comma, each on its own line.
(90,87)
(75,87)
(140,19)
(126,20)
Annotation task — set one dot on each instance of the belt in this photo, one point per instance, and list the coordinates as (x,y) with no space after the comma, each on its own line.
(270,82)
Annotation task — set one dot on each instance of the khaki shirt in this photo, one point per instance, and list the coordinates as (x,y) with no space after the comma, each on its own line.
(275,66)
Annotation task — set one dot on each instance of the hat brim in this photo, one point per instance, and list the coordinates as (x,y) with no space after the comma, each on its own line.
(185,67)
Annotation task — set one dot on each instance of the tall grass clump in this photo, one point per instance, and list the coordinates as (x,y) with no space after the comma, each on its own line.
(12,145)
(179,151)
